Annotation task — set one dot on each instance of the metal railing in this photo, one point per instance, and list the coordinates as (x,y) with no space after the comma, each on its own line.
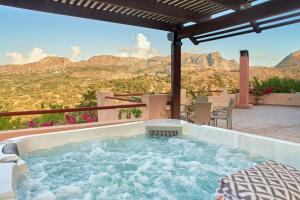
(123,99)
(141,94)
(36,112)
(128,95)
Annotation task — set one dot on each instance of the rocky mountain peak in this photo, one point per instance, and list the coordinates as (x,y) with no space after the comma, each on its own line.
(213,59)
(291,61)
(53,61)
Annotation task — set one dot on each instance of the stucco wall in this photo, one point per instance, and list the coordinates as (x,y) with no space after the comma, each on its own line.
(156,106)
(279,99)
(111,116)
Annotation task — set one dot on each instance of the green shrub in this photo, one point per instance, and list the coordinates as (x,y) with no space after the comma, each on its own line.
(137,113)
(256,87)
(89,98)
(8,123)
(56,118)
(276,85)
(201,91)
(191,93)
(234,90)
(136,98)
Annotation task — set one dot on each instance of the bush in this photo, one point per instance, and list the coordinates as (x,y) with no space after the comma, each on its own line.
(121,111)
(190,92)
(89,98)
(7,123)
(48,119)
(274,85)
(256,87)
(202,91)
(137,113)
(81,117)
(56,118)
(136,98)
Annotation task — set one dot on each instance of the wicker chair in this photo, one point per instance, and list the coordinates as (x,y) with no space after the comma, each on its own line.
(224,113)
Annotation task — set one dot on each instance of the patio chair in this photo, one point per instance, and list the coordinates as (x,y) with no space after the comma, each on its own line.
(183,112)
(202,114)
(223,113)
(201,99)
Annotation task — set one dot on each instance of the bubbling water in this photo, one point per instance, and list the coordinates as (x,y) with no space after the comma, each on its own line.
(130,168)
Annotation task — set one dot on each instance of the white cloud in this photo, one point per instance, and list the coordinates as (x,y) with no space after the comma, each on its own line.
(16,57)
(142,48)
(76,51)
(36,54)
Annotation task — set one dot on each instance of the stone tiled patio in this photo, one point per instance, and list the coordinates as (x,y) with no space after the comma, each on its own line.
(281,122)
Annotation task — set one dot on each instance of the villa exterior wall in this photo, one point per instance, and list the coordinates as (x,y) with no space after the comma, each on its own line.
(281,99)
(156,105)
(106,115)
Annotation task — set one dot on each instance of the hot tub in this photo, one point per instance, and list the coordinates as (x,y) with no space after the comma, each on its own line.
(123,162)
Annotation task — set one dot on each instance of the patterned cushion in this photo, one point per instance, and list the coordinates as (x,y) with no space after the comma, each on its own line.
(266,181)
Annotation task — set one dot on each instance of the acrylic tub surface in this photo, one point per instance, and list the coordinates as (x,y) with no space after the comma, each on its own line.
(272,149)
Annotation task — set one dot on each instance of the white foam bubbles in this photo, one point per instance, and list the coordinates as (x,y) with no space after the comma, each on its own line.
(68,191)
(130,168)
(96,152)
(88,196)
(46,196)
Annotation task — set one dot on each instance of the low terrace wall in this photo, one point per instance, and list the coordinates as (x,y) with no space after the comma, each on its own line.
(282,99)
(156,106)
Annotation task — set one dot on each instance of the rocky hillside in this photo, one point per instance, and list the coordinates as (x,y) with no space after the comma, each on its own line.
(208,60)
(45,64)
(59,80)
(51,64)
(291,61)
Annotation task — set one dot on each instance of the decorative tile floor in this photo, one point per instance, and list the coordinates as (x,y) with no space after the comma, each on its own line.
(281,122)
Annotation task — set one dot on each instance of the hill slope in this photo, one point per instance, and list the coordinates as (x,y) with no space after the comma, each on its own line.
(291,61)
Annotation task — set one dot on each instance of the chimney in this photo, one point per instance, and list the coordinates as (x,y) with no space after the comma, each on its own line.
(244,80)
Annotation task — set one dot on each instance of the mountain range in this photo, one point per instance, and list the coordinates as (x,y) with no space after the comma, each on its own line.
(210,60)
(201,61)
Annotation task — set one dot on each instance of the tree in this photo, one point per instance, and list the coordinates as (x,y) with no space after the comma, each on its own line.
(89,98)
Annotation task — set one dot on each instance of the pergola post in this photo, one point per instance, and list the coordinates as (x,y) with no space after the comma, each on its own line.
(175,75)
(244,80)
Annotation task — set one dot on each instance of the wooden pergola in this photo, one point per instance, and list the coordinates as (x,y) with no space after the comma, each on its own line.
(192,19)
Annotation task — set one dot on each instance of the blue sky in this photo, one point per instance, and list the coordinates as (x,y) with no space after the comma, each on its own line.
(24,32)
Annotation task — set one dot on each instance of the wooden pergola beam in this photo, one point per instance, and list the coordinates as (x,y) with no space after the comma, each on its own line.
(51,6)
(260,11)
(232,4)
(159,8)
